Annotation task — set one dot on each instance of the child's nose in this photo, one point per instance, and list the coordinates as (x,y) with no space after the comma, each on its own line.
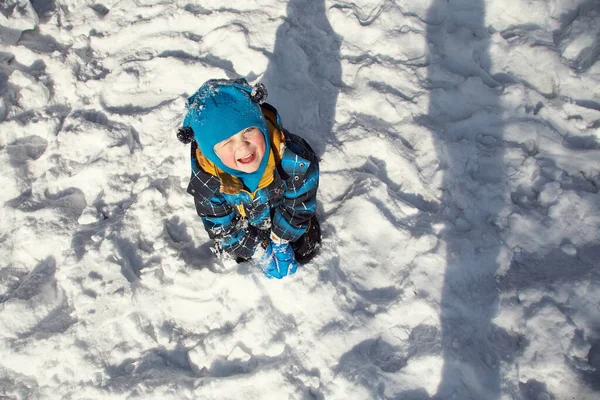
(239,141)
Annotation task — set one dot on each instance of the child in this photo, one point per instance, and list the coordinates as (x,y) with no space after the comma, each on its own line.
(254,183)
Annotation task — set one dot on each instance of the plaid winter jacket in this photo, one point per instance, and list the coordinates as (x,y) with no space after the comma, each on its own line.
(284,201)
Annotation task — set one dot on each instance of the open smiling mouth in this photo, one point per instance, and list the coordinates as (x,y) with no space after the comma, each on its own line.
(248,159)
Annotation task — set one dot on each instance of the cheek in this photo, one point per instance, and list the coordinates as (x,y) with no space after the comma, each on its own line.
(227,156)
(260,144)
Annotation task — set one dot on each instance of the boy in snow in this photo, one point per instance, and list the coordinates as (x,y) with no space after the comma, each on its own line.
(254,183)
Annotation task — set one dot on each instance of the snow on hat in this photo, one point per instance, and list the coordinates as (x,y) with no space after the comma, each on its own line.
(220,109)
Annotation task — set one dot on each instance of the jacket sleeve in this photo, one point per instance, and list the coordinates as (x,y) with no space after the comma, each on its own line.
(299,204)
(220,220)
(224,226)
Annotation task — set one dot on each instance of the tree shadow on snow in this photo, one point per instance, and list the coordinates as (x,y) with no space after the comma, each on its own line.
(465,117)
(461,113)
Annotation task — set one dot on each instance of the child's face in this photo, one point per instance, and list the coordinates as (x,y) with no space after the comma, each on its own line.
(243,151)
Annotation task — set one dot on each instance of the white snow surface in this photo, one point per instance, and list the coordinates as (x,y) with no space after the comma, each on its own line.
(460,165)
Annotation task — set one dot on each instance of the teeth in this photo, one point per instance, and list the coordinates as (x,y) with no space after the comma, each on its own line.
(248,157)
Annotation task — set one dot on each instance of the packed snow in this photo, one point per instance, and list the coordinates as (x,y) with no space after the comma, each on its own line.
(460,165)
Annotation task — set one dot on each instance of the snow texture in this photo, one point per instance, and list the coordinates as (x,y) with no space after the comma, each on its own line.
(460,165)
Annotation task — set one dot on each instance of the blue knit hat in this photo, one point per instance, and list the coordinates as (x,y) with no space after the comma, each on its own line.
(220,109)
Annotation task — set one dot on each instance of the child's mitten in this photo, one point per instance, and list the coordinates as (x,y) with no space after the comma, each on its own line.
(284,254)
(266,260)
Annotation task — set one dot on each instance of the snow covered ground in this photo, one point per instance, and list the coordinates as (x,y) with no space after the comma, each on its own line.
(460,167)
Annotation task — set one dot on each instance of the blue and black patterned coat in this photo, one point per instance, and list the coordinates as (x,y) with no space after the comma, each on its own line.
(284,201)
